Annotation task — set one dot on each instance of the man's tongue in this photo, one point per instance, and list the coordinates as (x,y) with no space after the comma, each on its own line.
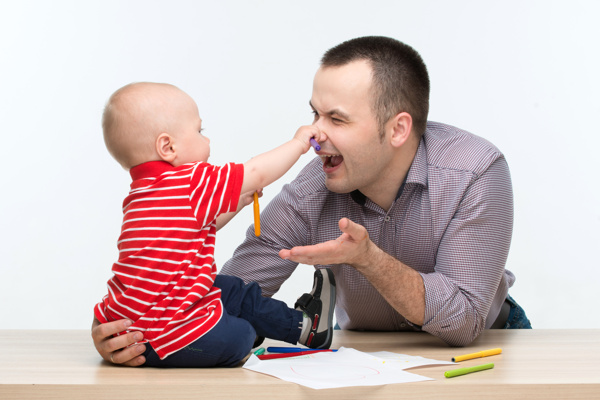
(334,161)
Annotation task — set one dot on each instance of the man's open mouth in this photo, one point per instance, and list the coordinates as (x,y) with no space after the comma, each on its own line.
(332,161)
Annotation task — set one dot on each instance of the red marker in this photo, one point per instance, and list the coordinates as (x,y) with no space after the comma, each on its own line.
(287,355)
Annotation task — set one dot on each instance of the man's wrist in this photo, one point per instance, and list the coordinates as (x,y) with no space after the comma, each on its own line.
(371,256)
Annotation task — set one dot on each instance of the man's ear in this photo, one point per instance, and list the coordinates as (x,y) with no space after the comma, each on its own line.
(165,147)
(401,126)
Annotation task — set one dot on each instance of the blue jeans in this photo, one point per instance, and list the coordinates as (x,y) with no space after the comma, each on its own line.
(247,315)
(516,318)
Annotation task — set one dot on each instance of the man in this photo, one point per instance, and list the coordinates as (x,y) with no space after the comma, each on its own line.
(425,210)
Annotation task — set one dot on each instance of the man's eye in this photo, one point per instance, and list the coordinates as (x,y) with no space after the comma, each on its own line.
(315,115)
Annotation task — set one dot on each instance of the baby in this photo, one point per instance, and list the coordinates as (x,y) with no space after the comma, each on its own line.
(165,280)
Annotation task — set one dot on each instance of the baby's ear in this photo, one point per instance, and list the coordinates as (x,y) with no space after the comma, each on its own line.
(164,147)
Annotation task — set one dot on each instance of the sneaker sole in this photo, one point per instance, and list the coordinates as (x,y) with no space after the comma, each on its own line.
(328,303)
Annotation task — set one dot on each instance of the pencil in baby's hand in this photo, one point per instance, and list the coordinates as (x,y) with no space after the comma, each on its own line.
(256,215)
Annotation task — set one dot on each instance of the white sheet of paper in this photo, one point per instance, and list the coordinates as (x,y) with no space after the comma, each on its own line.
(326,370)
(406,361)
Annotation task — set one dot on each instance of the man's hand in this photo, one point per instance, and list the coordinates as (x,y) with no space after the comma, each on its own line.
(114,349)
(351,247)
(400,285)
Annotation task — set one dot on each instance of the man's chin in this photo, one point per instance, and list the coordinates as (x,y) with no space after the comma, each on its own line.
(336,186)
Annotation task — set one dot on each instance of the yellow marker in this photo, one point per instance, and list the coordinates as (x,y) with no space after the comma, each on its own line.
(484,353)
(256,215)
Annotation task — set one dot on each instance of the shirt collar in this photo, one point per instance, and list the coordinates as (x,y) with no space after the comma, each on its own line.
(418,170)
(416,174)
(360,198)
(149,169)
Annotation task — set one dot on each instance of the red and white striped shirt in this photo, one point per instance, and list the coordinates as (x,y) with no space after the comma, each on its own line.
(163,280)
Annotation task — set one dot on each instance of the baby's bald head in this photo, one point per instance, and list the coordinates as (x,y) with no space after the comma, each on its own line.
(135,116)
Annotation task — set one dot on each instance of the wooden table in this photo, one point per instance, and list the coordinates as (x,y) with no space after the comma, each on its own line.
(534,364)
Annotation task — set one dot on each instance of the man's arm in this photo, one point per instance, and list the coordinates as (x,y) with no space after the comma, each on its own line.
(471,258)
(400,285)
(454,300)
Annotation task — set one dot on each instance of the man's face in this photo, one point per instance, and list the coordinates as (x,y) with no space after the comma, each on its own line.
(354,156)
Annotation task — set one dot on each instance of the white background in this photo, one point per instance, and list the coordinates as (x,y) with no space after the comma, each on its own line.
(523,74)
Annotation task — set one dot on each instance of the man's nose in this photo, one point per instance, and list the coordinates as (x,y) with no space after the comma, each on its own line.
(319,124)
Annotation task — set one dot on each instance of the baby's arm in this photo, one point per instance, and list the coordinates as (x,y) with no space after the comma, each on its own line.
(266,168)
(245,199)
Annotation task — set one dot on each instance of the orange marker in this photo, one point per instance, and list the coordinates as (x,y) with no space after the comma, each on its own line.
(256,215)
(484,353)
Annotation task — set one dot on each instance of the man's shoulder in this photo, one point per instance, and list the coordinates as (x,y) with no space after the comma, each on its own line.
(308,188)
(310,181)
(449,147)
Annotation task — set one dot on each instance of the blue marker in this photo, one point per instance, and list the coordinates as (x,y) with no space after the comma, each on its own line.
(292,349)
(314,144)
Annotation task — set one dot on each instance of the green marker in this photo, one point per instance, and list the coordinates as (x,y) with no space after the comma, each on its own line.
(468,370)
(259,351)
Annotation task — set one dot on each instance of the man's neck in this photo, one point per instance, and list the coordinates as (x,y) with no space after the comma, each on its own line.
(388,190)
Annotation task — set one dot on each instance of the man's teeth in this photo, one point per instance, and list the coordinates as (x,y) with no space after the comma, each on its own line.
(327,159)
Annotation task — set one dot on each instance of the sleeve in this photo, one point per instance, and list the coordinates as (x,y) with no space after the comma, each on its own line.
(257,258)
(471,258)
(215,190)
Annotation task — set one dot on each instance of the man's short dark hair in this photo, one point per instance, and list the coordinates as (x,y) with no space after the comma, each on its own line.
(400,78)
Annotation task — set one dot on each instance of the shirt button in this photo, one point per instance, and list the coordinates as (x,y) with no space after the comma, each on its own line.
(387,218)
(403,325)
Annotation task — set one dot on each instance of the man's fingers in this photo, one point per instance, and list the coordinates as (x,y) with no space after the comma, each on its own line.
(342,250)
(355,231)
(117,343)
(320,253)
(136,362)
(118,349)
(104,331)
(130,356)
(284,254)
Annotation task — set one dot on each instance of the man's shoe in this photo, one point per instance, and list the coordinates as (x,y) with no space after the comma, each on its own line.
(318,307)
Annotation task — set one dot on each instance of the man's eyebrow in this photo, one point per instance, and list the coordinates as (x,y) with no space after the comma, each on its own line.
(337,112)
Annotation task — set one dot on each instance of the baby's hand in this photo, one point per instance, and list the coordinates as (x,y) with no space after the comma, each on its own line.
(305,133)
(247,199)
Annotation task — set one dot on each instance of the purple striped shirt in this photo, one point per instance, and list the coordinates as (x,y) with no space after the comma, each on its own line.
(452,223)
